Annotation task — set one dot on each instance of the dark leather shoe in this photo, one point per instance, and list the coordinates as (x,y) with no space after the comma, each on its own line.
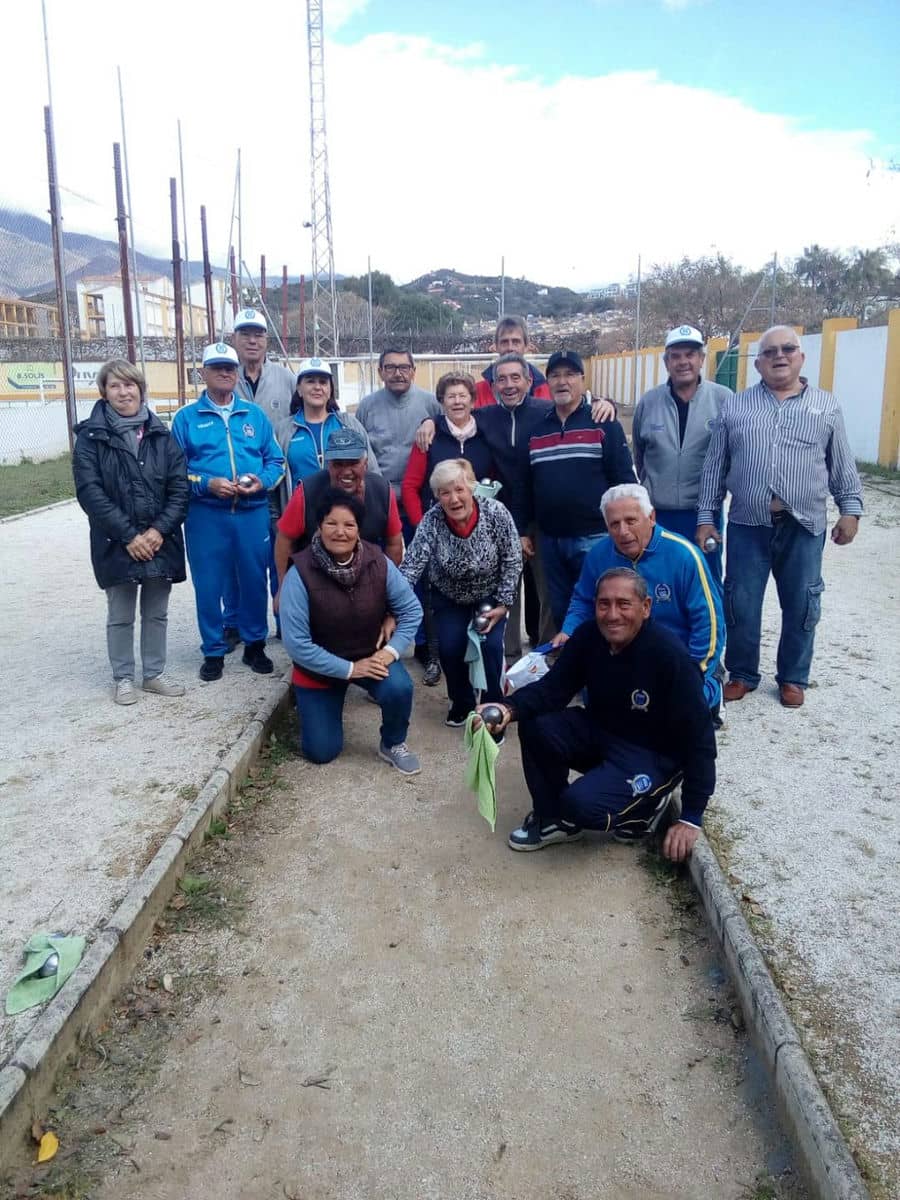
(735,689)
(791,695)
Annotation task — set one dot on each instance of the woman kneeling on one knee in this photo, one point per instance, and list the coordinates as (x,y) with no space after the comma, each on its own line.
(472,555)
(131,480)
(335,604)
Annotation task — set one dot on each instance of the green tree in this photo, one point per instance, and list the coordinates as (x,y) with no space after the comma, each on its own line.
(384,290)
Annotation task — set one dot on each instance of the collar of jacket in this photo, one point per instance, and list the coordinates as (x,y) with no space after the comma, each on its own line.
(552,413)
(95,425)
(240,404)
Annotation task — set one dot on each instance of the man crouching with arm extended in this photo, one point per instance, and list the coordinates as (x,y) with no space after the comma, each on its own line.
(646,728)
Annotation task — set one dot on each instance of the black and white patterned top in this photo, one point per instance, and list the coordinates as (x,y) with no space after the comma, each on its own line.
(487,563)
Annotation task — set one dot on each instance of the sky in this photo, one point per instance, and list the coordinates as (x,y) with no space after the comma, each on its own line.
(568,138)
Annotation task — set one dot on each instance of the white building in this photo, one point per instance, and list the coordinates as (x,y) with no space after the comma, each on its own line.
(101,312)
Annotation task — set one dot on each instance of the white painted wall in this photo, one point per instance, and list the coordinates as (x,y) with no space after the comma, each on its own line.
(812,348)
(859,385)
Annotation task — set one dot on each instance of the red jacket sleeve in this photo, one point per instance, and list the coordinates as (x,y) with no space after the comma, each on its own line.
(394,525)
(292,522)
(411,487)
(542,392)
(484,394)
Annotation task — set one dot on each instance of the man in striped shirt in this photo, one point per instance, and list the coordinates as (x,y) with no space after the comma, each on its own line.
(779,447)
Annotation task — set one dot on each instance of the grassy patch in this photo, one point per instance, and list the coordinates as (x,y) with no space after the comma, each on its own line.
(203,900)
(31,485)
(876,469)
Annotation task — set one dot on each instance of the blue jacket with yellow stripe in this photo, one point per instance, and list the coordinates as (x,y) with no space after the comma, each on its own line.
(685,601)
(216,447)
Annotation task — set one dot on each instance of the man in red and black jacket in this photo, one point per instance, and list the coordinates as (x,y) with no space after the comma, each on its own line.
(510,337)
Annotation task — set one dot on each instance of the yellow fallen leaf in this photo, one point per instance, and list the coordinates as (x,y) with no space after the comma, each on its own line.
(48,1147)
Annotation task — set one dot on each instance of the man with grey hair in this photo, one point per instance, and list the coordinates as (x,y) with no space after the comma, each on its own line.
(685,601)
(644,729)
(670,434)
(779,448)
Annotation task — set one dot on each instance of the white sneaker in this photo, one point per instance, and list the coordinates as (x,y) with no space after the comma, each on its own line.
(125,693)
(160,686)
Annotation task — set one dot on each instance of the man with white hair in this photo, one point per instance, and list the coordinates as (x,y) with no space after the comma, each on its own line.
(683,597)
(779,447)
(670,434)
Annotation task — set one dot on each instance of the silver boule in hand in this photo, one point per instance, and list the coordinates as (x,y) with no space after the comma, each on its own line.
(492,715)
(246,481)
(710,544)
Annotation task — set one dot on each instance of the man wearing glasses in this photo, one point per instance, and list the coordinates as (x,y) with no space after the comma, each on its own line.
(779,448)
(233,461)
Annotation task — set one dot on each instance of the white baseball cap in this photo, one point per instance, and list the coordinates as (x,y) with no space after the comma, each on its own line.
(684,335)
(249,318)
(219,354)
(314,366)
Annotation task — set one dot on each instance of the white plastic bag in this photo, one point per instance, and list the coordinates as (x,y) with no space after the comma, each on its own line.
(528,669)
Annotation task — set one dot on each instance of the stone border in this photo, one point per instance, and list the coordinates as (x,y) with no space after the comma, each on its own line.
(824,1157)
(26,1082)
(31,512)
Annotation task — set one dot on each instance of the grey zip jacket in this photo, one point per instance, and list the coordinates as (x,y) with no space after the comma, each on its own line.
(669,471)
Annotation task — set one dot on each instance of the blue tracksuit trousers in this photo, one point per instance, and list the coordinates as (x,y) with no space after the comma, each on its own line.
(222,543)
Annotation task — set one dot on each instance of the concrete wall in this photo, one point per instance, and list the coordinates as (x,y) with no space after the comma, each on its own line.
(859,388)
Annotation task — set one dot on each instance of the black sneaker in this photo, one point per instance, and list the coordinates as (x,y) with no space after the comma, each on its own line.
(456,718)
(256,659)
(232,638)
(212,669)
(432,674)
(531,836)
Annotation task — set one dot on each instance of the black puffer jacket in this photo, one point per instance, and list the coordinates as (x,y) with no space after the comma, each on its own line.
(124,496)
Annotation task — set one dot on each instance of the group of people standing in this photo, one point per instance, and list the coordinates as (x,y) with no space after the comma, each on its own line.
(454,522)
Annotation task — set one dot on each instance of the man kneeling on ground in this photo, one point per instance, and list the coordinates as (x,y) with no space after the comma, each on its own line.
(645,729)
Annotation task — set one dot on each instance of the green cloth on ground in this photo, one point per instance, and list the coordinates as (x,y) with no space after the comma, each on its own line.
(29,988)
(483,751)
(475,659)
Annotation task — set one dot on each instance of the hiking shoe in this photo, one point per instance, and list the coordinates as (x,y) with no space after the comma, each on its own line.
(401,757)
(456,718)
(232,637)
(125,693)
(432,673)
(256,659)
(531,836)
(212,669)
(160,686)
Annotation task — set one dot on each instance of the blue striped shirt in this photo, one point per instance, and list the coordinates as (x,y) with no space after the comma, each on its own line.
(795,449)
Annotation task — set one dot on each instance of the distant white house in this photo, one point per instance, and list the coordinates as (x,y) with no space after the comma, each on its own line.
(101,311)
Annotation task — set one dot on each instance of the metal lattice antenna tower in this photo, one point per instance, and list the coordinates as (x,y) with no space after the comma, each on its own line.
(324,295)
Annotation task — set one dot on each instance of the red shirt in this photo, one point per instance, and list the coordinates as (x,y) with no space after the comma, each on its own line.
(292,522)
(484,393)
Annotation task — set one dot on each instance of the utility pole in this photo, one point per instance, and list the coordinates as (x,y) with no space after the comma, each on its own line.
(122,226)
(324,296)
(207,279)
(176,283)
(774,285)
(637,335)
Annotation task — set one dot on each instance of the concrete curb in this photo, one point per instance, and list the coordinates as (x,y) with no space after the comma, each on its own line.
(26,1081)
(823,1155)
(30,512)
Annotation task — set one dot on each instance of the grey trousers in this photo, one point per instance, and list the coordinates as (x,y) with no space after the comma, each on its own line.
(121,601)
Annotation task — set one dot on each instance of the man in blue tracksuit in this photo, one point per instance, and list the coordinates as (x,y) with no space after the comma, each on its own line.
(233,462)
(685,601)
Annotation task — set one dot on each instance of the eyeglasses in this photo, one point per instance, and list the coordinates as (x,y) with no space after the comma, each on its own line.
(774,351)
(396,369)
(227,367)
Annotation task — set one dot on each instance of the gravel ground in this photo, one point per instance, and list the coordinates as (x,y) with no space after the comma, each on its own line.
(806,809)
(807,815)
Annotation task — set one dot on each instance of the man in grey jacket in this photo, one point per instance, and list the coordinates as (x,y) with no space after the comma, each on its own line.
(672,427)
(268,384)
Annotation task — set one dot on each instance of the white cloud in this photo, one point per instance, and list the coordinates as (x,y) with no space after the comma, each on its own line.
(595,170)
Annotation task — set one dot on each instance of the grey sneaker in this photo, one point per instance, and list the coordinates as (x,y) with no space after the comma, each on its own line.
(401,757)
(160,686)
(125,693)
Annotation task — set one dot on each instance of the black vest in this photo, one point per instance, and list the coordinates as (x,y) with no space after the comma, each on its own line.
(347,622)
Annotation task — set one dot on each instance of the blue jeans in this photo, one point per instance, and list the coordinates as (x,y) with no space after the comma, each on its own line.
(794,558)
(452,622)
(684,522)
(321,712)
(561,559)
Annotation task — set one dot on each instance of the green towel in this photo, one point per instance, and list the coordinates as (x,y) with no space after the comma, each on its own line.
(483,751)
(475,659)
(30,988)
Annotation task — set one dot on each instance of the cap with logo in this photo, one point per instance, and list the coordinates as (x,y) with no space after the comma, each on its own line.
(684,335)
(565,358)
(249,318)
(314,366)
(219,354)
(345,445)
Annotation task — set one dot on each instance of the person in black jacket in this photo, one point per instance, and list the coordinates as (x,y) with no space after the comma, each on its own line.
(646,728)
(131,480)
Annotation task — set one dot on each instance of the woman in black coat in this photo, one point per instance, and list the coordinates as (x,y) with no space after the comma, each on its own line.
(131,480)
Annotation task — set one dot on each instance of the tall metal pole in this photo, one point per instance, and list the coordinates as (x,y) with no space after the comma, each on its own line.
(134,273)
(637,335)
(371,333)
(284,308)
(262,278)
(234,285)
(502,285)
(123,252)
(774,285)
(187,265)
(176,281)
(62,300)
(302,314)
(324,296)
(207,279)
(240,231)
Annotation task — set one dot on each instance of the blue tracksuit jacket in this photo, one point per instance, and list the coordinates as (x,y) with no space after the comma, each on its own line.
(684,600)
(246,445)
